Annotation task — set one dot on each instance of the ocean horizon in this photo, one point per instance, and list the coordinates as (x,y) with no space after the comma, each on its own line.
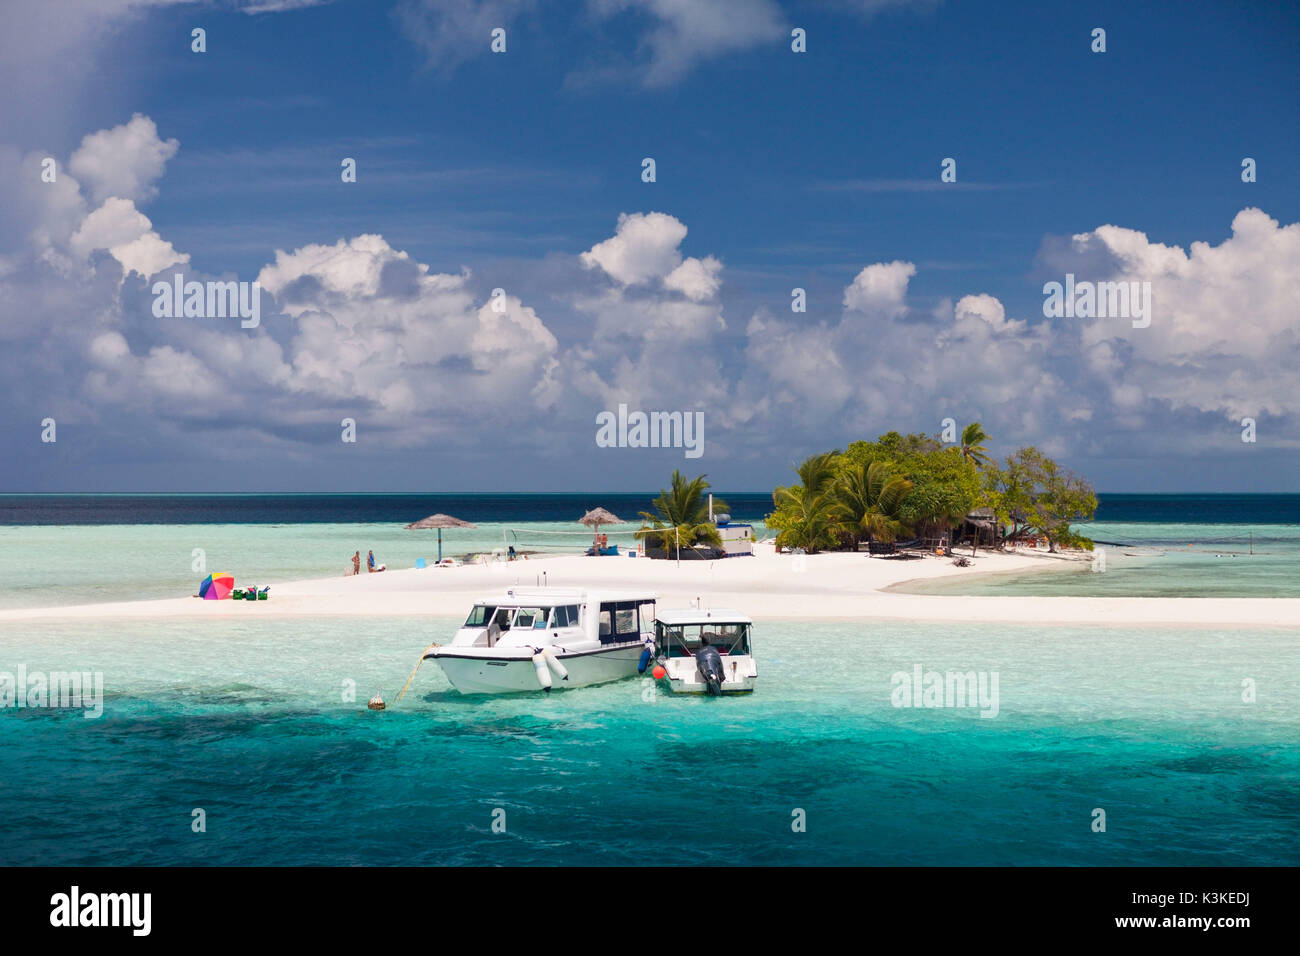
(312,507)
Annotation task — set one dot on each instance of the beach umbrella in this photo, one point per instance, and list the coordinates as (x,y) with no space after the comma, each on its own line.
(439,521)
(597,517)
(216,587)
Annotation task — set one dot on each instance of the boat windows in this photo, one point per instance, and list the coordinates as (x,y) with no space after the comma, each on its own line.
(566,616)
(625,619)
(480,616)
(531,617)
(685,640)
(619,621)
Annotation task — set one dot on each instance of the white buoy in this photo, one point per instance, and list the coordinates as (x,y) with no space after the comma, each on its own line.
(376,703)
(543,672)
(553,661)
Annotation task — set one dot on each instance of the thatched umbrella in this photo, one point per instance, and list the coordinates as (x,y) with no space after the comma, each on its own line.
(439,521)
(597,517)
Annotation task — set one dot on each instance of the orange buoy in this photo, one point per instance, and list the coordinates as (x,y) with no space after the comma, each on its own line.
(659,672)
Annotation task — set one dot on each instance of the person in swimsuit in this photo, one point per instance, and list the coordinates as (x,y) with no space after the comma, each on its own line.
(356,562)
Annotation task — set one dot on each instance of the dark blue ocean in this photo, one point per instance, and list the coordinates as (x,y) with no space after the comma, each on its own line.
(335,509)
(367,509)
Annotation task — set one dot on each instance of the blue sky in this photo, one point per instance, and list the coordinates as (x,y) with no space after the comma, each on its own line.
(787,170)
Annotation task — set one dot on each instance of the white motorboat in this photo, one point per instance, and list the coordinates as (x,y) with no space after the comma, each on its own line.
(530,639)
(705,651)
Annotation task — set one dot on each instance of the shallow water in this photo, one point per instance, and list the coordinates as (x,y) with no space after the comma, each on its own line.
(49,565)
(1159,560)
(248,720)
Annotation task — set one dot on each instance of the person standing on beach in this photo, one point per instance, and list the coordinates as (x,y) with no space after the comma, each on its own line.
(356,562)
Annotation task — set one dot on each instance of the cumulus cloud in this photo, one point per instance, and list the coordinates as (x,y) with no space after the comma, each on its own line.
(356,327)
(660,299)
(1222,336)
(373,325)
(880,288)
(644,250)
(129,236)
(697,279)
(643,247)
(124,161)
(1222,341)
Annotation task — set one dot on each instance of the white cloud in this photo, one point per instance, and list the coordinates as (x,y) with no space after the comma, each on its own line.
(880,288)
(1223,335)
(124,161)
(128,235)
(643,247)
(450,32)
(686,32)
(673,37)
(374,325)
(697,279)
(358,327)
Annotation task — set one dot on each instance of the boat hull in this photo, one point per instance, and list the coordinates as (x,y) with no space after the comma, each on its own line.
(480,674)
(683,677)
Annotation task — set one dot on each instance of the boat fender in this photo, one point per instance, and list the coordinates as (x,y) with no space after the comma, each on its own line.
(553,661)
(647,652)
(543,672)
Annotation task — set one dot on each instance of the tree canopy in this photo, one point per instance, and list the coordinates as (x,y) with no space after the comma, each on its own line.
(900,485)
(681,515)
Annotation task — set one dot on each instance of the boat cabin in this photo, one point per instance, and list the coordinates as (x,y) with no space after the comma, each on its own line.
(545,615)
(681,633)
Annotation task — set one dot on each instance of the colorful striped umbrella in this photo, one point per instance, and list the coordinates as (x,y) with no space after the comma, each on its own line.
(215,587)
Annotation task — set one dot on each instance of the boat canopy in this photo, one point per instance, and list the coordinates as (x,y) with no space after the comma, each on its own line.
(682,633)
(676,617)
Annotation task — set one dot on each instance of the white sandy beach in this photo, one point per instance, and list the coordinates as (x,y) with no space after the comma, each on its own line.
(768,586)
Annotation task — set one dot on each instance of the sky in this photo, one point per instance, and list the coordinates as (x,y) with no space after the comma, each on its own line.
(523,171)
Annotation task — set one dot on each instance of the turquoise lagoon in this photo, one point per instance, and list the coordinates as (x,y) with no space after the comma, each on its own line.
(249,721)
(1158,560)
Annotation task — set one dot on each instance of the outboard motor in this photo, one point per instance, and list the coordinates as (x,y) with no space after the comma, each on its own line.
(709,662)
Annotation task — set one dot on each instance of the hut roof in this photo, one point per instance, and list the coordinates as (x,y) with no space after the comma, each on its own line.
(599,516)
(439,521)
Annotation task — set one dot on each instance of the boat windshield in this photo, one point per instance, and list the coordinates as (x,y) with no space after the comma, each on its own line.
(683,640)
(532,617)
(480,616)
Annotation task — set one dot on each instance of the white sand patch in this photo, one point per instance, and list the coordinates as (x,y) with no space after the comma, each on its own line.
(768,586)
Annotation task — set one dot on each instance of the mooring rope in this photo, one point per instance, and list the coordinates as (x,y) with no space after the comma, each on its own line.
(413,673)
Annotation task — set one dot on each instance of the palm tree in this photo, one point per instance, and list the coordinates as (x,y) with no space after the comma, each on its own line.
(818,471)
(973,438)
(803,519)
(804,515)
(868,499)
(682,515)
